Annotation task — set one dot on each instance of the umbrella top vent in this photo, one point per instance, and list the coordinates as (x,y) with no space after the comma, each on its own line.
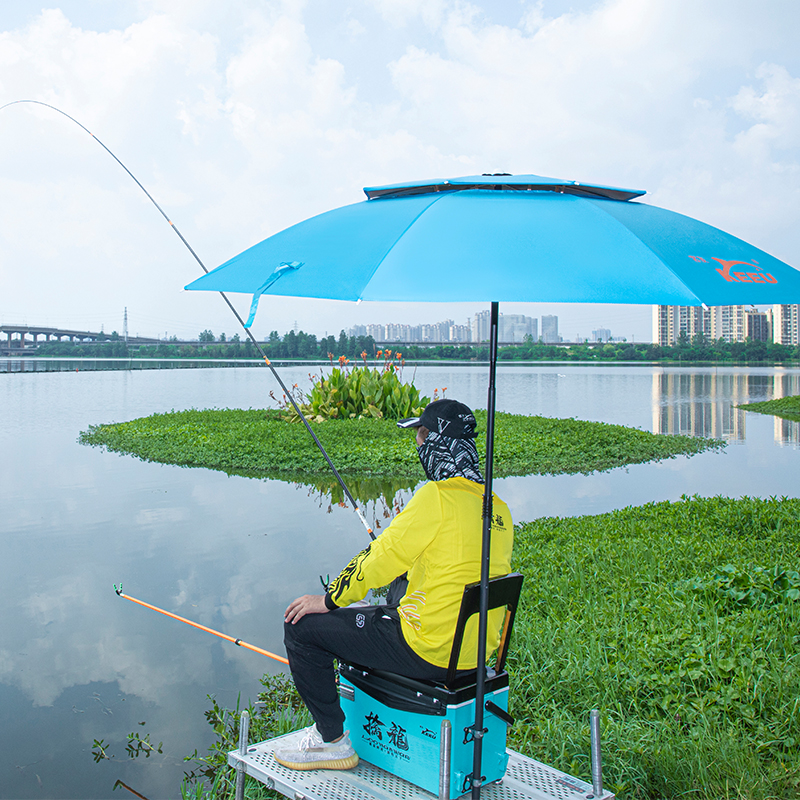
(501,182)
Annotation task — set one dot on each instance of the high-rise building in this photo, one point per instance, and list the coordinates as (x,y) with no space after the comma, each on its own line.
(510,327)
(669,322)
(786,324)
(550,329)
(728,323)
(515,327)
(757,325)
(460,333)
(377,332)
(601,335)
(481,323)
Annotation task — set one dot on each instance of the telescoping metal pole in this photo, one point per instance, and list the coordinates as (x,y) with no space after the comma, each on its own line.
(597,761)
(244,740)
(486,545)
(445,736)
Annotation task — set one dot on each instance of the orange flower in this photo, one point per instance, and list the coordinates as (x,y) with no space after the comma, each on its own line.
(398,356)
(380,353)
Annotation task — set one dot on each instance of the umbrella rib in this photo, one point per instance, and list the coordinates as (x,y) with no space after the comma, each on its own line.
(647,247)
(398,237)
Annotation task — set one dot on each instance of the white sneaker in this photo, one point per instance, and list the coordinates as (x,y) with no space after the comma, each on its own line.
(311,752)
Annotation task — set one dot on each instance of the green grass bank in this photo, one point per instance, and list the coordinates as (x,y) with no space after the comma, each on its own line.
(681,622)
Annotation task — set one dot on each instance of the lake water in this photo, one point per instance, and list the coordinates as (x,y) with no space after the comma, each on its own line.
(77,663)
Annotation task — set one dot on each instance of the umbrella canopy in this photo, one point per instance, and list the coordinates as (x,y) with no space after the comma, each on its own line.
(507,238)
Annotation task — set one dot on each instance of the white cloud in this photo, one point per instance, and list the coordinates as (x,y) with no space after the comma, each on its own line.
(243,122)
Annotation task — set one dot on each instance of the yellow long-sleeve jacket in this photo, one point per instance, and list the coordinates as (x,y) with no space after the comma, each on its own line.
(437,540)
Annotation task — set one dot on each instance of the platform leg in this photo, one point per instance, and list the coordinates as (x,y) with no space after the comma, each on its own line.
(597,762)
(445,735)
(244,740)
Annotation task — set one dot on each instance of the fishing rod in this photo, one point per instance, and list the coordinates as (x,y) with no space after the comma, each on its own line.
(252,338)
(225,636)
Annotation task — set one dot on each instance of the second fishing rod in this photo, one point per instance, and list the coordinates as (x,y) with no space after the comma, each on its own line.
(245,327)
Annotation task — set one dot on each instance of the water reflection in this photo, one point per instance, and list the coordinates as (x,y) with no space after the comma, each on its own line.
(44,364)
(380,499)
(706,403)
(787,432)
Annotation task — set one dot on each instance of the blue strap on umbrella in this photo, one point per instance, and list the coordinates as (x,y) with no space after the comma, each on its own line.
(278,272)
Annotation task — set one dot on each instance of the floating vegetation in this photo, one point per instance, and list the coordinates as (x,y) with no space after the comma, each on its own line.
(260,443)
(681,622)
(784,407)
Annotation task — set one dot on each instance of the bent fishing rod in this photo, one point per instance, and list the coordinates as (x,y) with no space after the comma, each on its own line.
(225,636)
(230,305)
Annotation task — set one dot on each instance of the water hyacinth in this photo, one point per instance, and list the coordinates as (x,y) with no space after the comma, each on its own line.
(349,392)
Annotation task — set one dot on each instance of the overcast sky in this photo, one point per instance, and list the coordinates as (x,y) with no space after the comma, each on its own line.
(244,117)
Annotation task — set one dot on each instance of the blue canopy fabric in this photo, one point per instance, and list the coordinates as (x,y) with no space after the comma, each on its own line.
(510,238)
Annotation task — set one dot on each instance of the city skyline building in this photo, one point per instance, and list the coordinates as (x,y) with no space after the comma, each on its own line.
(550,329)
(669,322)
(601,335)
(513,329)
(759,325)
(729,323)
(480,325)
(786,324)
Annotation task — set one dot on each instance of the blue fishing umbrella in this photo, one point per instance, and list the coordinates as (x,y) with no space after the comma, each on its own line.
(505,238)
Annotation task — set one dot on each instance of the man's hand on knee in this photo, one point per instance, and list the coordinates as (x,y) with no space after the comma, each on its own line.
(307,604)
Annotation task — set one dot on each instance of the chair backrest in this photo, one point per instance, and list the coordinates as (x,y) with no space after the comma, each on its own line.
(503,591)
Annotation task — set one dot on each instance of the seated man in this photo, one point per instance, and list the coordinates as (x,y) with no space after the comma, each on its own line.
(436,539)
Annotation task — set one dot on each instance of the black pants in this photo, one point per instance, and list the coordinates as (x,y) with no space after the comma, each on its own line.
(366,636)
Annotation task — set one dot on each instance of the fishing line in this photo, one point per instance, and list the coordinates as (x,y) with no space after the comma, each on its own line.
(225,636)
(258,347)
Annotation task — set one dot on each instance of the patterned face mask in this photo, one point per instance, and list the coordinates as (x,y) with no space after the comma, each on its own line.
(444,457)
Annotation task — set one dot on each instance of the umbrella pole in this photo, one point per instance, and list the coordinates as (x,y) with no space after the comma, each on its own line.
(483,615)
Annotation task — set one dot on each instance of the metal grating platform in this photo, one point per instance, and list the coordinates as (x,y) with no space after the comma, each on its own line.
(525,779)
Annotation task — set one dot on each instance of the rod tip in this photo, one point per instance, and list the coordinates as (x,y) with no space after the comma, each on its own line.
(118,591)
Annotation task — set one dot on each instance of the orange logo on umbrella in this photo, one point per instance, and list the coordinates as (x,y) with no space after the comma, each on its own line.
(739,276)
(743,277)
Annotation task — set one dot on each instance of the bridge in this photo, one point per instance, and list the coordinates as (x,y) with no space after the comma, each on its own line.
(19,337)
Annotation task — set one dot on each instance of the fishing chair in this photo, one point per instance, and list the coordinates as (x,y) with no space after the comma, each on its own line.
(392,718)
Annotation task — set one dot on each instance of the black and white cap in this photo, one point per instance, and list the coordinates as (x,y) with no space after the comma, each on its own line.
(445,417)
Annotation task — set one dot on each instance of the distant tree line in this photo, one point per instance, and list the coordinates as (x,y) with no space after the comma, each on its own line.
(300,345)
